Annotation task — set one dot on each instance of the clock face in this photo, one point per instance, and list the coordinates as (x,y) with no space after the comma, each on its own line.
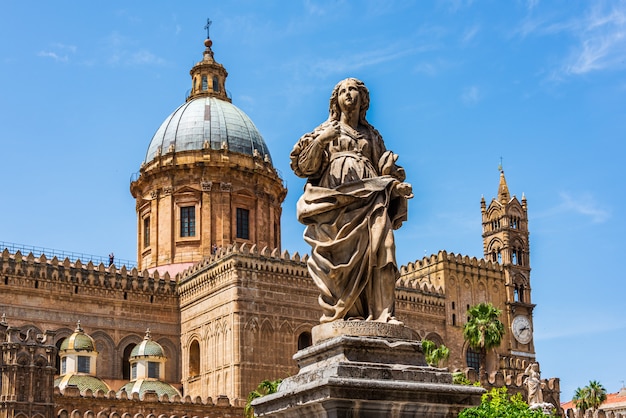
(522,331)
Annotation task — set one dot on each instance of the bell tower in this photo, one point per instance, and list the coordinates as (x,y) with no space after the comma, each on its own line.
(506,241)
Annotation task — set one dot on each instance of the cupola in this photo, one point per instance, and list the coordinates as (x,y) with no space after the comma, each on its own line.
(207,180)
(78,363)
(147,369)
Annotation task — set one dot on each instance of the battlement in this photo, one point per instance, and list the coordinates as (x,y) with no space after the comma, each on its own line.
(575,413)
(30,271)
(457,260)
(72,402)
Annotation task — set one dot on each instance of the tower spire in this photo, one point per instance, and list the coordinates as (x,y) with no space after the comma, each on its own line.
(503,190)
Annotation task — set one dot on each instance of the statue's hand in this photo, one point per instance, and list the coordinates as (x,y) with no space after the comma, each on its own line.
(387,163)
(405,190)
(330,133)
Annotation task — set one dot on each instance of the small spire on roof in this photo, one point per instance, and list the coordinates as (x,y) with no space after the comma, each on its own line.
(3,320)
(78,327)
(148,335)
(503,190)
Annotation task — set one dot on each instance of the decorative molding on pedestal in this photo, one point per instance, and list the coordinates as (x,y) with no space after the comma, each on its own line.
(366,376)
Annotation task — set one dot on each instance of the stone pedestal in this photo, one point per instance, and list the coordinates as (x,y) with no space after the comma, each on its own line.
(349,372)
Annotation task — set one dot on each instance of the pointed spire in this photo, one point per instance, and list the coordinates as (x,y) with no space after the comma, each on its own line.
(503,189)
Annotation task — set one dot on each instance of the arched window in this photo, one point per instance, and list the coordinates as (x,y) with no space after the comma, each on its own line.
(205,85)
(126,361)
(57,363)
(216,84)
(304,340)
(194,359)
(516,294)
(472,357)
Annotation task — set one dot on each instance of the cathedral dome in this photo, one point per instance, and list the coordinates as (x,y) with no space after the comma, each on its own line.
(208,123)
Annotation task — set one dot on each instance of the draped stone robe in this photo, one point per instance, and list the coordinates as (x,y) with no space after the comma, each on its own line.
(350,210)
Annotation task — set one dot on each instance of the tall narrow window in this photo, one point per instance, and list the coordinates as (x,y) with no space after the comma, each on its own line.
(216,84)
(243,225)
(194,359)
(472,357)
(205,85)
(133,371)
(153,369)
(188,221)
(126,361)
(83,364)
(146,232)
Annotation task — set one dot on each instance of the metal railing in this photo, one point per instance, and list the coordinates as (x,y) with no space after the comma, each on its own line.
(61,255)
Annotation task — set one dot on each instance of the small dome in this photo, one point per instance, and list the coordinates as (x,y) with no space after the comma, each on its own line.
(147,348)
(141,386)
(207,122)
(82,381)
(78,341)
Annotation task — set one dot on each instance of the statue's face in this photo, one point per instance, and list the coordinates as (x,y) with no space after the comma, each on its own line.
(348,97)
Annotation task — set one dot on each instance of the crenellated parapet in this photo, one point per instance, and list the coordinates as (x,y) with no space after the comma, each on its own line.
(235,263)
(577,413)
(72,402)
(79,277)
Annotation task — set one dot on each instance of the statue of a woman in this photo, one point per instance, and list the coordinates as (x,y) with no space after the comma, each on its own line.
(533,384)
(354,198)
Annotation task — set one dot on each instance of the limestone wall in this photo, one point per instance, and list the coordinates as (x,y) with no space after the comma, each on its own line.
(71,403)
(115,306)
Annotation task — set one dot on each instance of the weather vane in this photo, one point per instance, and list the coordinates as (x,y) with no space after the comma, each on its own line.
(207,27)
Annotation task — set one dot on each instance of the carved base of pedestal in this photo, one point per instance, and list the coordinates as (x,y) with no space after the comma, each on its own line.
(365,376)
(330,330)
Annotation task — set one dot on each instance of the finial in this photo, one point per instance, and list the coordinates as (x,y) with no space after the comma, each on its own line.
(208,27)
(78,327)
(500,165)
(3,320)
(148,336)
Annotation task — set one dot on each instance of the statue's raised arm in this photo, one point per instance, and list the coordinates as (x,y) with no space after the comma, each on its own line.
(354,198)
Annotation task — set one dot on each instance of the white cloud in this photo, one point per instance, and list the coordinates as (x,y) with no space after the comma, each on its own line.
(54,56)
(357,61)
(531,4)
(583,204)
(471,95)
(470,33)
(600,37)
(123,51)
(59,52)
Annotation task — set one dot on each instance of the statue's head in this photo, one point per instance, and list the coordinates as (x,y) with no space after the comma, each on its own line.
(364,94)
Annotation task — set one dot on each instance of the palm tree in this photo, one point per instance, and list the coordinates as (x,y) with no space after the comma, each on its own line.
(483,331)
(264,388)
(590,396)
(433,354)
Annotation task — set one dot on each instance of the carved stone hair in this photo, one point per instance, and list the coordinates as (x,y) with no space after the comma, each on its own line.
(364,94)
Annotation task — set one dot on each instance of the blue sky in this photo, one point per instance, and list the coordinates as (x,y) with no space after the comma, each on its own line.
(455,86)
